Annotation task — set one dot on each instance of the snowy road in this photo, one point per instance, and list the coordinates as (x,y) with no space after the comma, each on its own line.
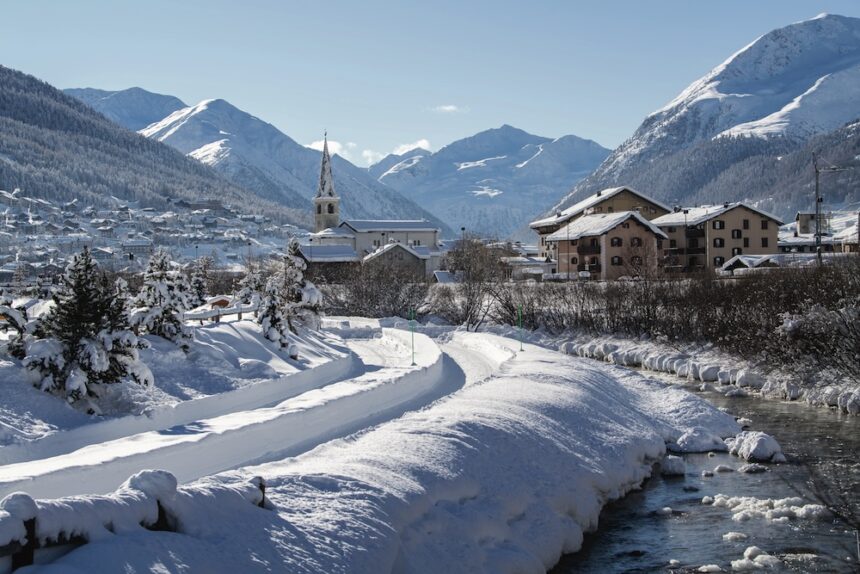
(384,387)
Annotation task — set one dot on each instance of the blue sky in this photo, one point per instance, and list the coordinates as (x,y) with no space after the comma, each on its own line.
(379,75)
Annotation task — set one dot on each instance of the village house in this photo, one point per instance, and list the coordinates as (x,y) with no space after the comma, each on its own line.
(607,246)
(337,245)
(706,237)
(611,200)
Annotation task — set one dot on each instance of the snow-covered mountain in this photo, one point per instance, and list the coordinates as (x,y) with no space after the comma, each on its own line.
(765,100)
(493,182)
(262,159)
(134,108)
(393,159)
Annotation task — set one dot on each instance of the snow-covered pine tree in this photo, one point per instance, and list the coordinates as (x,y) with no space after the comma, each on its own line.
(251,286)
(200,280)
(271,313)
(83,340)
(163,298)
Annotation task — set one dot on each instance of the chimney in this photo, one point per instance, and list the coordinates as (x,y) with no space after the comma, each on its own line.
(726,204)
(599,193)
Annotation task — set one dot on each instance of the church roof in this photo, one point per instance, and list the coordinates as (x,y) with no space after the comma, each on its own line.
(389,225)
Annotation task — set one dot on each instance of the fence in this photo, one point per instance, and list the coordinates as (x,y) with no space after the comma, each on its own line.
(216,313)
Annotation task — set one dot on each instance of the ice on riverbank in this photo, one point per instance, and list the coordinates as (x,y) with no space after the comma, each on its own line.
(777,510)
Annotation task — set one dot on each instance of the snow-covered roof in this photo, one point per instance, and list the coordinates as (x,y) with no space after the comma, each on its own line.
(600,223)
(521,261)
(780,260)
(847,235)
(333,232)
(789,238)
(588,203)
(390,246)
(697,215)
(389,225)
(328,253)
(445,277)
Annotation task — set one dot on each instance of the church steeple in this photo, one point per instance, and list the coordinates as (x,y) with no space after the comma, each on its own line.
(326,202)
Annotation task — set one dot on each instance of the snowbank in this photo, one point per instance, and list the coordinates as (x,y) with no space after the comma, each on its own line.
(501,476)
(704,364)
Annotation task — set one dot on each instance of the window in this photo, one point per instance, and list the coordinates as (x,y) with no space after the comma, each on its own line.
(595,242)
(319,208)
(593,261)
(764,242)
(625,225)
(746,223)
(416,242)
(764,223)
(719,224)
(573,242)
(718,261)
(331,208)
(636,241)
(673,244)
(670,230)
(746,241)
(719,242)
(616,260)
(737,251)
(616,242)
(736,234)
(574,260)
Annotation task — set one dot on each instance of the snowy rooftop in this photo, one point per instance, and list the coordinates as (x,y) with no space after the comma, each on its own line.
(598,224)
(390,225)
(778,260)
(697,215)
(329,253)
(422,254)
(789,238)
(847,235)
(588,203)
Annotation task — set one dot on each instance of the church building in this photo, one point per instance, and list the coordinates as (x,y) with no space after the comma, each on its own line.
(337,245)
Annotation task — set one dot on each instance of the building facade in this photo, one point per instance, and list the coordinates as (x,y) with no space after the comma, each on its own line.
(706,237)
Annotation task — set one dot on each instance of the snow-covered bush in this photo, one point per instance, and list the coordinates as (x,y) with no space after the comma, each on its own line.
(251,286)
(13,320)
(84,340)
(163,298)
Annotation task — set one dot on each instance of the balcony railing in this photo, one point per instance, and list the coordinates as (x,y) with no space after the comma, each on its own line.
(588,249)
(595,268)
(694,232)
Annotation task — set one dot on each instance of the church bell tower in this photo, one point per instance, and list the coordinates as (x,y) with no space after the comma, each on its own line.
(326,202)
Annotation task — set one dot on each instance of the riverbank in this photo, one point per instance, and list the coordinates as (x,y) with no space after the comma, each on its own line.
(710,366)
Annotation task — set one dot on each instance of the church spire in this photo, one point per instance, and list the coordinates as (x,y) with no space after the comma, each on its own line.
(326,202)
(326,187)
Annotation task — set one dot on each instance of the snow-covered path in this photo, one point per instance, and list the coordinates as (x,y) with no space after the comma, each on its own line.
(383,386)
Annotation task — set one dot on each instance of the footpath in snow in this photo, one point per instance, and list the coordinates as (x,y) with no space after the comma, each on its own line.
(503,475)
(382,386)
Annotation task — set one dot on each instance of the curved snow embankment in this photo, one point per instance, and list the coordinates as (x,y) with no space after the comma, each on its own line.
(652,357)
(211,445)
(501,476)
(249,397)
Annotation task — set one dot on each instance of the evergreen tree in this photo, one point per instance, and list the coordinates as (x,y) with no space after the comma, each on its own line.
(84,341)
(200,280)
(271,313)
(163,298)
(251,286)
(16,320)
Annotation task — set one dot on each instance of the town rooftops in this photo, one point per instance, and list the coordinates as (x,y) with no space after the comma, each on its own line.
(600,223)
(388,225)
(588,203)
(697,215)
(847,235)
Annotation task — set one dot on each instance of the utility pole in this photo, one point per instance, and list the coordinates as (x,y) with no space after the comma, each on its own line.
(819,200)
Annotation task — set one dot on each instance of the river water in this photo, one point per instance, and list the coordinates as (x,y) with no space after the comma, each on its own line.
(823,449)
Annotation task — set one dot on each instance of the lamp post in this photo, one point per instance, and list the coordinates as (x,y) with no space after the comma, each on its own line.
(819,200)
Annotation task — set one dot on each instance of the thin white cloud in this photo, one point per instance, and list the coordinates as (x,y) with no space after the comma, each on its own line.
(449,109)
(423,143)
(370,157)
(335,147)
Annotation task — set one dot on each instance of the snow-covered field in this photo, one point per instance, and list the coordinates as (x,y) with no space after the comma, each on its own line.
(500,461)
